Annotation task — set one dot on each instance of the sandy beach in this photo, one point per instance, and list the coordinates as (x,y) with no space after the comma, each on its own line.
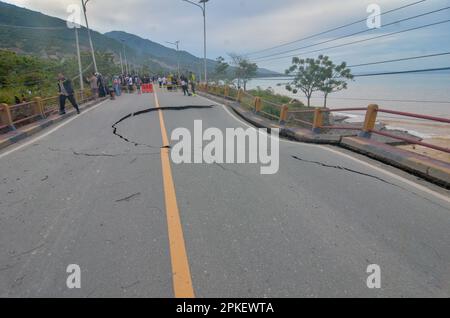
(398,94)
(433,133)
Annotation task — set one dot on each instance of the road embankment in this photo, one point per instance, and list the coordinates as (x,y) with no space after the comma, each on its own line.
(434,170)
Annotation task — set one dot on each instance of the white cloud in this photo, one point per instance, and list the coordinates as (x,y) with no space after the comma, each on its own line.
(234,25)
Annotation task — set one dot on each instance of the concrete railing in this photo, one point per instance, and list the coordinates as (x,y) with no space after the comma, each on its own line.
(317,114)
(12,116)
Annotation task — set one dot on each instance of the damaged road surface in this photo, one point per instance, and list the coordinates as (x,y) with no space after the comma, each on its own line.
(151,110)
(83,195)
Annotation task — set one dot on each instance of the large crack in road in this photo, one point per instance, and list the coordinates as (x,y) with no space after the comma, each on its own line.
(367,175)
(150,110)
(345,169)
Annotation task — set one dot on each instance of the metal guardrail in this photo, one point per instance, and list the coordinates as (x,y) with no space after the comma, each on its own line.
(368,128)
(12,116)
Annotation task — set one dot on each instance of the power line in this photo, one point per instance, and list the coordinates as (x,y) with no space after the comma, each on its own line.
(446,68)
(334,29)
(45,80)
(353,34)
(359,41)
(390,100)
(386,100)
(405,72)
(31,27)
(83,71)
(39,69)
(401,59)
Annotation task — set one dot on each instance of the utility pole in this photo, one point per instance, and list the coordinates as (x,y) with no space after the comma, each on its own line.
(80,69)
(177,43)
(84,2)
(204,39)
(125,55)
(203,8)
(121,62)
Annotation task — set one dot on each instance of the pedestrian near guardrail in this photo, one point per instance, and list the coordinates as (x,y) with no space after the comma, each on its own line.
(138,83)
(94,85)
(66,92)
(116,84)
(184,86)
(102,86)
(193,81)
(130,84)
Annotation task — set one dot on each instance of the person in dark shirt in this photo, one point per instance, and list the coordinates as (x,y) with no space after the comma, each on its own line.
(66,91)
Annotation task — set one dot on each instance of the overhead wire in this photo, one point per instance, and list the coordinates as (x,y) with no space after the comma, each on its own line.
(334,29)
(353,34)
(360,41)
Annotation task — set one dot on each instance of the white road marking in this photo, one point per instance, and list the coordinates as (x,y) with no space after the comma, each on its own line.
(388,173)
(32,141)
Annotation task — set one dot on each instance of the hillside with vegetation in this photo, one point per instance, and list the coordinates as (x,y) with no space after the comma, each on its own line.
(29,76)
(32,33)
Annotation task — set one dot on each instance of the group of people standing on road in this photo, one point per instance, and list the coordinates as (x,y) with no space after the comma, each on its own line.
(102,86)
(99,85)
(186,81)
(171,82)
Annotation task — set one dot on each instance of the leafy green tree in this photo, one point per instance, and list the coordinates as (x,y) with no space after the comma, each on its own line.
(31,76)
(334,77)
(314,75)
(248,71)
(245,70)
(221,69)
(308,77)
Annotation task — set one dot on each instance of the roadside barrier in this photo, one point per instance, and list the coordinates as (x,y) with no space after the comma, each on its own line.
(284,115)
(12,116)
(147,88)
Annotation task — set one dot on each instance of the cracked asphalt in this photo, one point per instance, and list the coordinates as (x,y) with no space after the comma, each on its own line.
(83,195)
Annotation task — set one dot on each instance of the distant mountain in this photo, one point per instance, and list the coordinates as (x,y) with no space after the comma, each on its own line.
(28,32)
(160,53)
(167,56)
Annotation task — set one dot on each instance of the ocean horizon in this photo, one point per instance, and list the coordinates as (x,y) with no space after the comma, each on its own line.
(427,94)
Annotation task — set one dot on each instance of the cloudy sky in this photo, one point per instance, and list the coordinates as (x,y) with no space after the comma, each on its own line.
(245,26)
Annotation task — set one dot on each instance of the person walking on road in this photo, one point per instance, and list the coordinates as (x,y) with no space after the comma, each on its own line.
(193,81)
(117,89)
(66,92)
(102,86)
(94,85)
(130,84)
(185,86)
(138,83)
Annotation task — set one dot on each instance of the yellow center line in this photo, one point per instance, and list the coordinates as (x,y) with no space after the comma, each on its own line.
(182,281)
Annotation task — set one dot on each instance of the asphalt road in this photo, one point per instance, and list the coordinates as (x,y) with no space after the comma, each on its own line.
(79,194)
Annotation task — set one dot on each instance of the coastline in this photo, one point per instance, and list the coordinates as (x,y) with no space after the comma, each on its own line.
(433,133)
(397,94)
(430,132)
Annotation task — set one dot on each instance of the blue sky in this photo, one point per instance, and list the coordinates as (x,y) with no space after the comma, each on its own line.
(247,25)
